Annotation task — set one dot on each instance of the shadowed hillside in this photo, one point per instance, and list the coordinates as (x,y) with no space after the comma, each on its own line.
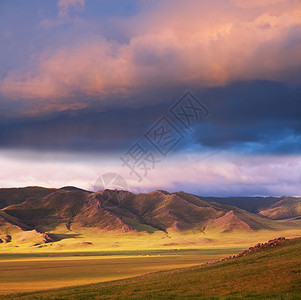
(12,196)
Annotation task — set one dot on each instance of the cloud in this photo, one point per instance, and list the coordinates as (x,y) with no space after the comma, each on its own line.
(253,117)
(224,174)
(167,44)
(228,174)
(65,6)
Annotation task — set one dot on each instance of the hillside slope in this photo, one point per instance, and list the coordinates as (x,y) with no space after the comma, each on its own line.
(269,207)
(287,207)
(10,196)
(74,208)
(181,211)
(58,212)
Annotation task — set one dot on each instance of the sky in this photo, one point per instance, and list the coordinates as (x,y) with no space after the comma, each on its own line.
(196,95)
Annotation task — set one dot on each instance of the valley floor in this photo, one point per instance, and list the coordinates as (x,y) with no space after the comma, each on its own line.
(29,272)
(272,273)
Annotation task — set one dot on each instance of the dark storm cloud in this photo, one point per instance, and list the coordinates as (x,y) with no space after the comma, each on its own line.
(244,103)
(81,130)
(257,116)
(253,117)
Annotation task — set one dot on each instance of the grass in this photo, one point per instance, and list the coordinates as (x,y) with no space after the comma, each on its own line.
(273,273)
(75,241)
(21,272)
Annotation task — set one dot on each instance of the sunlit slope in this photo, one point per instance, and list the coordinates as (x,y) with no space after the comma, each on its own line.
(12,230)
(285,208)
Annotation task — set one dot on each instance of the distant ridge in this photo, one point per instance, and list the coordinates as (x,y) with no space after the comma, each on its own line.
(73,188)
(284,208)
(272,207)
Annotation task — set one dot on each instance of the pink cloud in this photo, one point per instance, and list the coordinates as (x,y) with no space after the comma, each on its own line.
(194,43)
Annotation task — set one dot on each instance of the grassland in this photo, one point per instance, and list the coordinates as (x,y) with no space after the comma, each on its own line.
(85,240)
(28,272)
(273,273)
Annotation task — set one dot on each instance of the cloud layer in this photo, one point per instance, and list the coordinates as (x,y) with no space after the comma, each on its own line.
(190,43)
(226,174)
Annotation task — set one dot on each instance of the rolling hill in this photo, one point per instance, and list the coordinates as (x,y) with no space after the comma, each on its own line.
(126,211)
(10,196)
(285,208)
(270,207)
(69,210)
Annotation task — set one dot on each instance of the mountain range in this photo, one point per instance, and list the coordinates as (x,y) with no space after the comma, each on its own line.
(34,213)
